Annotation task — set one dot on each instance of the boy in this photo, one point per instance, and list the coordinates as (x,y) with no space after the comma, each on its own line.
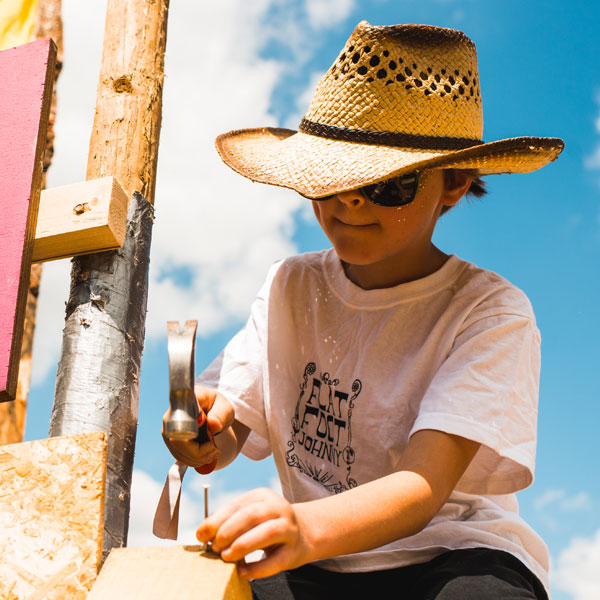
(396,386)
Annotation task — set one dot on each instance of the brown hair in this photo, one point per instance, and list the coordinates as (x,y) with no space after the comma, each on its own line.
(477,188)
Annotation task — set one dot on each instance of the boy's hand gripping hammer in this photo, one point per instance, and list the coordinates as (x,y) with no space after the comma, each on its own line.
(186,421)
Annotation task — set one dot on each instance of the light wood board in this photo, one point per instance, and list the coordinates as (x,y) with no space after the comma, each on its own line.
(26,76)
(181,572)
(80,218)
(51,516)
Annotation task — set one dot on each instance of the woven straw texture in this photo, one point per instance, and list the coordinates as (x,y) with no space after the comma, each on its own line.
(403,79)
(397,98)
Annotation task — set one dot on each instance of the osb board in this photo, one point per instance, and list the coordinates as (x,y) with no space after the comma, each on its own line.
(182,572)
(51,516)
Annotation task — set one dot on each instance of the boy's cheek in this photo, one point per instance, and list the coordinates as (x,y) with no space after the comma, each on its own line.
(317,208)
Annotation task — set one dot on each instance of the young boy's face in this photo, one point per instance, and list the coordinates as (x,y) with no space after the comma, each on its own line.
(383,246)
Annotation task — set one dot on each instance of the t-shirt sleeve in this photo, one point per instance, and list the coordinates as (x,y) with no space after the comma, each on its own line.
(238,374)
(487,391)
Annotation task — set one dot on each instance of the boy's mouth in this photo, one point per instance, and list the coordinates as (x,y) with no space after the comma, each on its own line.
(350,223)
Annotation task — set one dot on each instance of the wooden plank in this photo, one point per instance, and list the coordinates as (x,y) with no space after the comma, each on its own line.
(26,74)
(51,516)
(182,572)
(80,218)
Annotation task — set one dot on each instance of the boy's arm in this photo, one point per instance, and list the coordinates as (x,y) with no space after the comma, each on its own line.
(369,516)
(230,434)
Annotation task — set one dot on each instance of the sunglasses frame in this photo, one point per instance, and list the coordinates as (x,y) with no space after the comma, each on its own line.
(368,191)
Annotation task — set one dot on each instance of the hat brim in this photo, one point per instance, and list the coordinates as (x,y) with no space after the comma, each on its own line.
(316,166)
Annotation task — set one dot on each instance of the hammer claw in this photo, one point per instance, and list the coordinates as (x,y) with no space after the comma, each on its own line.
(182,423)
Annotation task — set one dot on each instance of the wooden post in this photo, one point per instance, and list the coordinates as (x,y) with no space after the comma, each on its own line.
(125,135)
(12,414)
(97,381)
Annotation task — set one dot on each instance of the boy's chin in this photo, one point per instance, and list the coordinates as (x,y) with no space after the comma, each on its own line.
(356,254)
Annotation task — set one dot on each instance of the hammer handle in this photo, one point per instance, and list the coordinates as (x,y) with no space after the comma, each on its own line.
(204,436)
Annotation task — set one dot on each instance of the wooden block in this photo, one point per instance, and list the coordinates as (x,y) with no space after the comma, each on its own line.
(182,572)
(51,516)
(81,218)
(26,77)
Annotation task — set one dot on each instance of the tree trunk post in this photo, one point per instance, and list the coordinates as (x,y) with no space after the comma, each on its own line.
(97,381)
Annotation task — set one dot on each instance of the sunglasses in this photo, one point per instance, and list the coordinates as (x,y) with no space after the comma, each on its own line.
(398,191)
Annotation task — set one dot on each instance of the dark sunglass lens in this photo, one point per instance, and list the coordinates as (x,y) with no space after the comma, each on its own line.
(370,191)
(394,192)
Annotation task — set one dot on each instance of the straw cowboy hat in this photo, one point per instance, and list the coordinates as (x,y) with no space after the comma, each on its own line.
(397,99)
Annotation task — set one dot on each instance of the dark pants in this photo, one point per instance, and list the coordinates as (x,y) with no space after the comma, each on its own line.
(475,574)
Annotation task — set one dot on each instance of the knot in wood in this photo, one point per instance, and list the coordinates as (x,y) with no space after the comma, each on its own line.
(79,209)
(122,85)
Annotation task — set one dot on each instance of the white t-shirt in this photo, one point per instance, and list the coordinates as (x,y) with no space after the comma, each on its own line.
(333,380)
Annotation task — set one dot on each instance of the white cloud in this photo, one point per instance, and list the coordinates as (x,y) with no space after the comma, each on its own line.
(559,499)
(325,13)
(548,497)
(458,15)
(145,493)
(576,569)
(593,160)
(578,502)
(49,320)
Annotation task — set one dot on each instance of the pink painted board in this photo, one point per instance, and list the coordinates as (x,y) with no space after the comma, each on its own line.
(26,79)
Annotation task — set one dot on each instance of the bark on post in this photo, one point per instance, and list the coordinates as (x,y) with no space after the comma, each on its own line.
(12,414)
(97,380)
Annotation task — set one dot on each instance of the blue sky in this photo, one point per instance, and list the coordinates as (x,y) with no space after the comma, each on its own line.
(256,64)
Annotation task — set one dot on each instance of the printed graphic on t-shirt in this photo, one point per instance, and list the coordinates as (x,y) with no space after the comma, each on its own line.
(321,437)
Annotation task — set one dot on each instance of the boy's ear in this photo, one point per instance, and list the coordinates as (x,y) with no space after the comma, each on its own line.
(456,185)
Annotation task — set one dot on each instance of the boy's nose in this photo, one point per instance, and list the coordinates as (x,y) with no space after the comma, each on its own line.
(352,198)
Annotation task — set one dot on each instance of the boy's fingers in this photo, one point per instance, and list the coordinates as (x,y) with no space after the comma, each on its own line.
(219,412)
(208,528)
(191,453)
(258,517)
(221,415)
(221,518)
(264,536)
(277,559)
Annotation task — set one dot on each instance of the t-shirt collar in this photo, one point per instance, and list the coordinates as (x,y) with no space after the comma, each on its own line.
(352,294)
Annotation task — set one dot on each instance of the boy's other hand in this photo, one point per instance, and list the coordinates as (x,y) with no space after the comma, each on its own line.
(258,520)
(220,416)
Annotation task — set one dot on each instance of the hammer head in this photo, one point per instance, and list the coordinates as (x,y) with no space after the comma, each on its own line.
(182,423)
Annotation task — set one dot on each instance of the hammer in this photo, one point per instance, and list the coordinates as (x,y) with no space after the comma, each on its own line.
(186,421)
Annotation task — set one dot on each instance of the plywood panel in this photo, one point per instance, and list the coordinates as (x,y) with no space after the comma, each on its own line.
(26,75)
(51,516)
(181,572)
